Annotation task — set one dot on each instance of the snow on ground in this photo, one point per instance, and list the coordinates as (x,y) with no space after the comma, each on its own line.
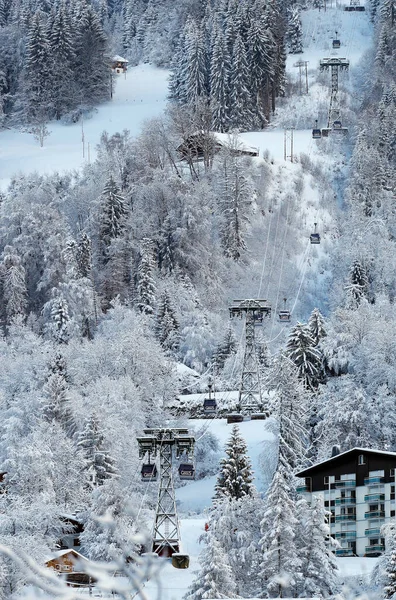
(139,96)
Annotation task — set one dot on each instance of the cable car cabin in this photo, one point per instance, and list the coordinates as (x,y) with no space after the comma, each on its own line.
(336,44)
(258,318)
(186,471)
(149,472)
(180,561)
(234,418)
(314,238)
(209,406)
(316,134)
(337,125)
(284,316)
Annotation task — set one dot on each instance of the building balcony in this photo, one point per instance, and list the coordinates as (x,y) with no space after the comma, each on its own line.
(345,483)
(374,550)
(344,552)
(345,535)
(377,480)
(343,518)
(302,489)
(345,501)
(374,498)
(375,532)
(374,514)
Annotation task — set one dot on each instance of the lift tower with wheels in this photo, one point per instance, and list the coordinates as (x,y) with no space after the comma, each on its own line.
(166,532)
(250,399)
(334,121)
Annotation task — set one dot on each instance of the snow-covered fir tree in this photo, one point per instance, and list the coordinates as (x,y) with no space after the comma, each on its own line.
(91,440)
(235,477)
(146,284)
(14,284)
(301,349)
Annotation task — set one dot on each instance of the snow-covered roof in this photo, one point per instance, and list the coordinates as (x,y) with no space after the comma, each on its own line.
(341,454)
(227,139)
(59,553)
(118,58)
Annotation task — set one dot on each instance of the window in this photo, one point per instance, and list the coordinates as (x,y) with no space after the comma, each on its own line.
(76,542)
(392,492)
(326,480)
(392,513)
(361,459)
(392,472)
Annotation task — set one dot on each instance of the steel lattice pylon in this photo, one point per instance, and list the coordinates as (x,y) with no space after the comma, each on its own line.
(335,65)
(163,441)
(249,397)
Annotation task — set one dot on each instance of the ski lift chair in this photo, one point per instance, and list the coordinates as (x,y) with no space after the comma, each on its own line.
(209,406)
(186,472)
(149,472)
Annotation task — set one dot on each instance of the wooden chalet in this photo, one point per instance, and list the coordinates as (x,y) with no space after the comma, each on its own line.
(70,564)
(119,64)
(203,144)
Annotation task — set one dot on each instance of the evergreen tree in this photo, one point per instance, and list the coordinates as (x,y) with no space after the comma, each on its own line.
(14,284)
(84,256)
(316,326)
(62,49)
(59,323)
(390,569)
(357,287)
(261,68)
(281,565)
(215,579)
(38,76)
(167,326)
(56,396)
(197,67)
(226,348)
(98,462)
(235,477)
(301,349)
(146,285)
(319,567)
(112,216)
(219,83)
(294,31)
(240,95)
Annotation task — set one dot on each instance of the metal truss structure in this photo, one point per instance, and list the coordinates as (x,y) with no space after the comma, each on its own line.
(335,65)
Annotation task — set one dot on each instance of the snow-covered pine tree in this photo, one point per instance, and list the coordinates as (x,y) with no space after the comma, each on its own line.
(197,65)
(112,216)
(59,322)
(236,476)
(301,349)
(219,82)
(38,76)
(294,31)
(226,348)
(167,326)
(215,578)
(62,49)
(84,255)
(14,284)
(146,288)
(56,396)
(357,288)
(281,565)
(316,326)
(319,566)
(261,67)
(99,464)
(390,566)
(240,98)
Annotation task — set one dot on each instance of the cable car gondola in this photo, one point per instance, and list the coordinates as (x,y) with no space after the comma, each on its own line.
(149,472)
(210,404)
(186,471)
(180,561)
(284,315)
(315,236)
(316,132)
(336,43)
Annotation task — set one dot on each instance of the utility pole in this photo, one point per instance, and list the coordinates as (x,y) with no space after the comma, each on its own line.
(301,64)
(166,442)
(288,144)
(249,397)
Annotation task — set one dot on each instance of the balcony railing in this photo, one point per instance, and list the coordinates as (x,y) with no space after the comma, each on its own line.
(374,514)
(374,549)
(345,483)
(302,489)
(345,501)
(342,518)
(344,552)
(374,498)
(345,535)
(375,532)
(377,480)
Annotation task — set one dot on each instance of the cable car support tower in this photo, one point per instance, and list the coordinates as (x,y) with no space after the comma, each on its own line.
(334,119)
(166,532)
(250,399)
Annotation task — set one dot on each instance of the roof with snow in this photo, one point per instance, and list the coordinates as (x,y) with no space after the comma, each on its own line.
(339,459)
(118,58)
(60,553)
(196,143)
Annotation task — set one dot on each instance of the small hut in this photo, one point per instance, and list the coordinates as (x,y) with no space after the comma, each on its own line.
(119,64)
(66,561)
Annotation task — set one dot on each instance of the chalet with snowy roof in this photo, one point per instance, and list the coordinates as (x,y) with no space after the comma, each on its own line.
(70,564)
(202,143)
(119,64)
(358,488)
